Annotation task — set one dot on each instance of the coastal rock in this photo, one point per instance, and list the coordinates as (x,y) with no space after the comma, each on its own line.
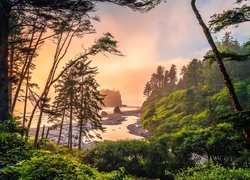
(117,110)
(104,113)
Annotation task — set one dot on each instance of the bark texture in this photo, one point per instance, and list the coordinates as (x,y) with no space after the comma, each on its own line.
(4,89)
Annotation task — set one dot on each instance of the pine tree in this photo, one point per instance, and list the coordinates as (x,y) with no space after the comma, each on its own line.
(79,101)
(172,76)
(147,90)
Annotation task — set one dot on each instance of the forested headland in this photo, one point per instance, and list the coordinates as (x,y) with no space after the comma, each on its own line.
(112,98)
(197,121)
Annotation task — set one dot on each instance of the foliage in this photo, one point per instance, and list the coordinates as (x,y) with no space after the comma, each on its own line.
(232,17)
(161,82)
(213,171)
(18,160)
(13,147)
(51,166)
(196,98)
(10,126)
(221,144)
(139,158)
(195,118)
(78,98)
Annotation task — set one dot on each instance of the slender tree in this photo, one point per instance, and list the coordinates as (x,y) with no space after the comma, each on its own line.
(51,12)
(172,76)
(90,102)
(105,44)
(147,90)
(80,100)
(5,10)
(160,76)
(227,81)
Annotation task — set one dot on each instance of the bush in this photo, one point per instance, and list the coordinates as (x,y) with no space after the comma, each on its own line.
(10,126)
(221,143)
(211,171)
(52,166)
(13,147)
(139,158)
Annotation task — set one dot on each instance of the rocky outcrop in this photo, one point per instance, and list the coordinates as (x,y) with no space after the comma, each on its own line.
(117,110)
(112,97)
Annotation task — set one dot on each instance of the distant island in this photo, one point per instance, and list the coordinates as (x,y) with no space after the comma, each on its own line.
(112,97)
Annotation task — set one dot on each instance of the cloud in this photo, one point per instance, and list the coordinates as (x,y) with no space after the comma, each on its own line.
(168,34)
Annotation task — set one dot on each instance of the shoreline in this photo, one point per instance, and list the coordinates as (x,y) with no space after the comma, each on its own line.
(117,119)
(120,126)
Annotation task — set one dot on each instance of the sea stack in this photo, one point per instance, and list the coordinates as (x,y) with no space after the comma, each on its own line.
(117,110)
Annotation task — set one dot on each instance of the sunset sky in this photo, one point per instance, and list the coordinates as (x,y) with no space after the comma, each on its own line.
(168,34)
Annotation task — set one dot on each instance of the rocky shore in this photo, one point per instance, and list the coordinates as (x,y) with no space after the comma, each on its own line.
(124,125)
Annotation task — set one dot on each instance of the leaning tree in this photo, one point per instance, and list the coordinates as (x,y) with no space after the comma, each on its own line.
(219,59)
(52,12)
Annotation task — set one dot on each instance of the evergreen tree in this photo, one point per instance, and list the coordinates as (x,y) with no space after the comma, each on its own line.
(160,76)
(219,60)
(147,90)
(50,15)
(78,100)
(192,74)
(166,79)
(231,17)
(172,76)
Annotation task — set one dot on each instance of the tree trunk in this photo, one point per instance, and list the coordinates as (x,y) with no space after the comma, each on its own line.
(225,76)
(80,135)
(11,61)
(43,131)
(81,116)
(47,134)
(38,128)
(227,81)
(4,85)
(60,132)
(70,123)
(26,66)
(25,101)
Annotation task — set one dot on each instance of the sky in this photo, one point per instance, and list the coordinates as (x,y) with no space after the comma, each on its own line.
(168,34)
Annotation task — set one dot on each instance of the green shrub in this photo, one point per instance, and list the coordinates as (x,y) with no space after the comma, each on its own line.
(211,171)
(13,147)
(139,158)
(48,166)
(10,126)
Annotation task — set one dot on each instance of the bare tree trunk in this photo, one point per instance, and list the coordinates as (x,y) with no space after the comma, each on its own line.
(82,116)
(12,52)
(61,126)
(43,131)
(227,81)
(47,133)
(38,127)
(70,123)
(5,9)
(26,100)
(59,55)
(80,135)
(26,65)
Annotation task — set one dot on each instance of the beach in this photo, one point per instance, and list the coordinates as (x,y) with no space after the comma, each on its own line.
(117,126)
